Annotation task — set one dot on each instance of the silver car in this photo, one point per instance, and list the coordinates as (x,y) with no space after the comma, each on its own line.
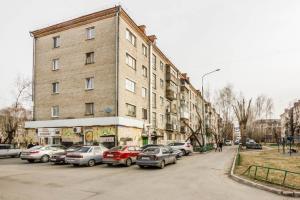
(41,153)
(8,150)
(185,147)
(156,156)
(86,155)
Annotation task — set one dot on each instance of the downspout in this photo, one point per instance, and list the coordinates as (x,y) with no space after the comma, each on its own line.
(117,70)
(150,91)
(33,76)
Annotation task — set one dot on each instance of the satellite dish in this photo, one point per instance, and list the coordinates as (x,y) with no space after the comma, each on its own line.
(108,110)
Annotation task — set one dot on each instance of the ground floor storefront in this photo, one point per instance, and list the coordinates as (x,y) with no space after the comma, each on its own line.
(109,132)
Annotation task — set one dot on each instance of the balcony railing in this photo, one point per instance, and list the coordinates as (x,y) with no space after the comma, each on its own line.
(171,126)
(183,129)
(171,94)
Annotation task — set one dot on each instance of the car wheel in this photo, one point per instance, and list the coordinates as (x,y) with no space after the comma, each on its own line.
(141,166)
(183,152)
(91,163)
(30,161)
(45,158)
(109,164)
(128,162)
(162,164)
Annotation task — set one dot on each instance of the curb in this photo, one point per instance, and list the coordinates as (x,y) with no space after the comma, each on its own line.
(258,185)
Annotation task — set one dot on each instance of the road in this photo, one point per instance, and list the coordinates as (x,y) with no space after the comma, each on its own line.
(200,176)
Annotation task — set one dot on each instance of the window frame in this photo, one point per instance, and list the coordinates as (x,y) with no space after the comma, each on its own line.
(92,108)
(132,106)
(53,108)
(90,33)
(145,50)
(55,64)
(56,42)
(55,87)
(144,71)
(161,66)
(92,83)
(144,113)
(92,58)
(130,37)
(127,61)
(134,85)
(144,90)
(154,60)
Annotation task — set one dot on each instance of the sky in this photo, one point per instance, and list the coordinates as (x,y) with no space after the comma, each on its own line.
(255,43)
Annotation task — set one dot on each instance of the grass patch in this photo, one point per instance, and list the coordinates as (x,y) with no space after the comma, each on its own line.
(273,159)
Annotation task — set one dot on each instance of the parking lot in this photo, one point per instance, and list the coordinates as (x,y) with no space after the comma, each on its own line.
(200,176)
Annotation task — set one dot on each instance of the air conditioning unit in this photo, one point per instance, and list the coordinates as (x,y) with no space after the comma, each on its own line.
(77,129)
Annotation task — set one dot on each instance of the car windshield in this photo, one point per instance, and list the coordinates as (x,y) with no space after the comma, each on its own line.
(151,150)
(84,149)
(37,147)
(118,148)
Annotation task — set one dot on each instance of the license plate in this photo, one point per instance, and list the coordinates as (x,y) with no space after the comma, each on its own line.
(110,155)
(145,158)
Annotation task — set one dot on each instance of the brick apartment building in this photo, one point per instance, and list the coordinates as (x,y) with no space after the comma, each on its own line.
(100,77)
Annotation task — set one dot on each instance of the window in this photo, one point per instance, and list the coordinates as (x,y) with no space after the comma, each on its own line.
(55,64)
(144,113)
(145,73)
(144,92)
(153,61)
(55,87)
(161,83)
(130,37)
(130,85)
(89,108)
(89,58)
(55,111)
(131,110)
(145,50)
(154,81)
(154,119)
(161,101)
(89,83)
(161,66)
(130,61)
(153,100)
(90,33)
(161,119)
(56,42)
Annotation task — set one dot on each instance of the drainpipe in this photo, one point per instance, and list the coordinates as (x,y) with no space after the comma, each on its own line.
(150,91)
(33,75)
(117,70)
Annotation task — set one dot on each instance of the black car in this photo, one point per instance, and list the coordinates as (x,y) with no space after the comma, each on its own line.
(253,145)
(60,157)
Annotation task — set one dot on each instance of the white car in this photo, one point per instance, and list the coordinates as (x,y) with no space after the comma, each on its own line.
(185,147)
(41,153)
(228,142)
(8,150)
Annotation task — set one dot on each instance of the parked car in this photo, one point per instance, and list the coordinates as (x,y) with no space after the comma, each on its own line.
(185,147)
(177,152)
(41,153)
(236,142)
(228,142)
(125,155)
(86,155)
(156,156)
(8,150)
(60,157)
(253,145)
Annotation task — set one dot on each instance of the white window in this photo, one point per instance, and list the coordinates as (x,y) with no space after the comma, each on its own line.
(130,85)
(130,61)
(144,92)
(153,61)
(90,33)
(89,108)
(56,42)
(161,83)
(131,110)
(145,50)
(89,83)
(89,58)
(130,37)
(55,88)
(55,111)
(145,73)
(161,66)
(55,64)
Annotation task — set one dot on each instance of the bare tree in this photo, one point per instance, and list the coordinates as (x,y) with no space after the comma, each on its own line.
(242,110)
(13,117)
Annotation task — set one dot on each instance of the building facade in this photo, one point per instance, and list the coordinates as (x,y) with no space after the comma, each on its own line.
(269,130)
(101,78)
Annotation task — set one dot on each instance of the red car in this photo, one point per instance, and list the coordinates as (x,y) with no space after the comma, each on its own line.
(125,155)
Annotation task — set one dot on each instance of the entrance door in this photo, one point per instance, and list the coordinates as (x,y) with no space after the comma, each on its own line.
(145,140)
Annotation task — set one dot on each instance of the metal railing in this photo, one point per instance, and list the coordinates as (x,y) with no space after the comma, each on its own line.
(275,176)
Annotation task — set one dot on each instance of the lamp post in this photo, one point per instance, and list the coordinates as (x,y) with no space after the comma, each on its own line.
(203,113)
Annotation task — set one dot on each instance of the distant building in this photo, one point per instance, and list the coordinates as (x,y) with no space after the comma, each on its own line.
(269,130)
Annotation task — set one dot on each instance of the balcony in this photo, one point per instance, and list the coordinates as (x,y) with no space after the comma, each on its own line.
(183,129)
(171,94)
(184,115)
(171,77)
(171,126)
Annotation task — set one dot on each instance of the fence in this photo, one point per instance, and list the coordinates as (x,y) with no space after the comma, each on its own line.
(275,176)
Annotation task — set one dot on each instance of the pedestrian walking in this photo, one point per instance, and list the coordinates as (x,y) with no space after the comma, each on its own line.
(221,146)
(215,147)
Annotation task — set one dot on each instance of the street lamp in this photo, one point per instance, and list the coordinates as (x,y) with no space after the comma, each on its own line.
(203,114)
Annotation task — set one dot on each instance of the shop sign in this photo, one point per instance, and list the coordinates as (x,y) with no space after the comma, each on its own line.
(107,139)
(48,132)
